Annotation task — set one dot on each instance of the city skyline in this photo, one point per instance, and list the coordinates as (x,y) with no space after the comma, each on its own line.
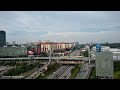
(62,26)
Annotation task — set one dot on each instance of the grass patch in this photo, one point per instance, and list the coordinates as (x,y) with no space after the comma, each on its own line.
(75,71)
(117,75)
(117,70)
(92,73)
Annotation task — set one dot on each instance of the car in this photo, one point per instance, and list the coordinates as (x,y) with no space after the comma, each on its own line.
(77,75)
(64,76)
(84,71)
(56,75)
(54,72)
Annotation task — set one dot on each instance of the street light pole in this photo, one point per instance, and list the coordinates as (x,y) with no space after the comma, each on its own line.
(50,55)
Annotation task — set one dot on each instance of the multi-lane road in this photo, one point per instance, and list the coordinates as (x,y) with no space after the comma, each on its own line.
(84,71)
(75,53)
(57,73)
(66,74)
(63,72)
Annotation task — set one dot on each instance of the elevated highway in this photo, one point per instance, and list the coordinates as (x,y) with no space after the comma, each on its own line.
(42,58)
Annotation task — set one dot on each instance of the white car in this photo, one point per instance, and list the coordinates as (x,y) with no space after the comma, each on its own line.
(54,72)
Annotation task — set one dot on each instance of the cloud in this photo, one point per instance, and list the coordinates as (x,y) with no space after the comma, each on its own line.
(82,26)
(83,37)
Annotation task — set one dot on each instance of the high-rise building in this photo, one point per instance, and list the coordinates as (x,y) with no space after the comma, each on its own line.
(2,38)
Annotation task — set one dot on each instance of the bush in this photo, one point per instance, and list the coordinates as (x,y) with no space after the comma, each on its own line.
(75,71)
(85,53)
(92,73)
(117,66)
(50,70)
(117,75)
(20,68)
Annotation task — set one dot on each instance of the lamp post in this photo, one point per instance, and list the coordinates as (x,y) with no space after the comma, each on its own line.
(50,55)
(88,47)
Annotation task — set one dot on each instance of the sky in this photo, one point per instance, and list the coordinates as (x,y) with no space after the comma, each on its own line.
(61,26)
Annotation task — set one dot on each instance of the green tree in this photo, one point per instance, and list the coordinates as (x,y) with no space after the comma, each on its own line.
(85,53)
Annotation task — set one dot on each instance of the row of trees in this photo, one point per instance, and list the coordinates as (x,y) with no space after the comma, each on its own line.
(92,73)
(20,68)
(117,70)
(85,53)
(75,71)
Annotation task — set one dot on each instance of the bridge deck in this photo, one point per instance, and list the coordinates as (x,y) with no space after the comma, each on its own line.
(43,58)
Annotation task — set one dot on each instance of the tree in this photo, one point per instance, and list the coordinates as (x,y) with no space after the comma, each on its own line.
(43,54)
(85,53)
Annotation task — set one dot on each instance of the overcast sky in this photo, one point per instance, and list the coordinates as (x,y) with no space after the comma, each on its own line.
(81,26)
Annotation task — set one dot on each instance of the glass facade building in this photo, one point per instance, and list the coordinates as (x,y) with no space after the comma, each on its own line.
(2,38)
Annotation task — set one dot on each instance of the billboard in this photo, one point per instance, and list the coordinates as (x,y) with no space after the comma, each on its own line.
(104,64)
(98,47)
(30,50)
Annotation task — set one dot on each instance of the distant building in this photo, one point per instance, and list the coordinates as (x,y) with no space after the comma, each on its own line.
(46,46)
(115,51)
(13,43)
(103,48)
(2,38)
(76,43)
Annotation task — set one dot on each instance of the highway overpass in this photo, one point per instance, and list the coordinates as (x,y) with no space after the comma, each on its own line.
(53,58)
(42,58)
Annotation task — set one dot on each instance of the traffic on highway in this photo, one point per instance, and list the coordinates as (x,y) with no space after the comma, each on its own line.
(62,73)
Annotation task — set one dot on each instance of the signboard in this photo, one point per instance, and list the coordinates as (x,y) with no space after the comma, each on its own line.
(30,52)
(98,47)
(104,64)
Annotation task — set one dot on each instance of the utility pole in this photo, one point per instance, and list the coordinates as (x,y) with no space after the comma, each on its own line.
(89,53)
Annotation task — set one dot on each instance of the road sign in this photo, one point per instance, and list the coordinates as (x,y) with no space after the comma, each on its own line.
(104,64)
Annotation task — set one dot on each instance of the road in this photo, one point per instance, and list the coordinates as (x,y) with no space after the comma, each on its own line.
(84,72)
(58,72)
(64,70)
(28,73)
(33,76)
(4,69)
(66,74)
(75,53)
